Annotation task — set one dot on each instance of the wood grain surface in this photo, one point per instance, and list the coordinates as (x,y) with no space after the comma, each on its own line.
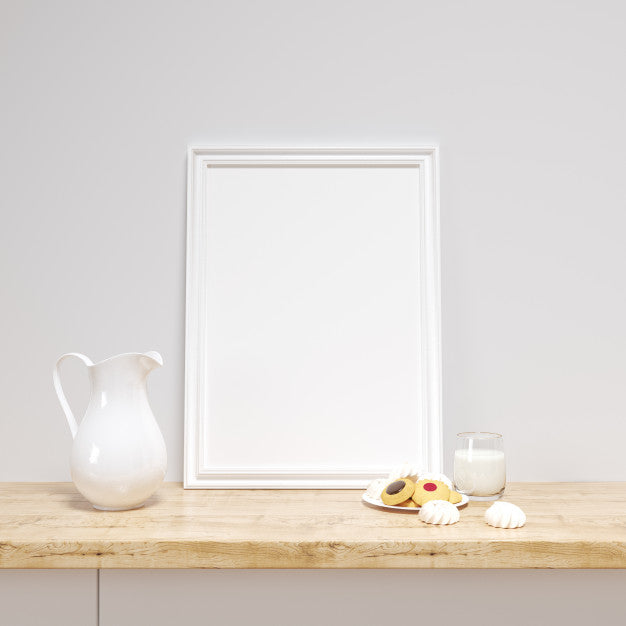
(50,525)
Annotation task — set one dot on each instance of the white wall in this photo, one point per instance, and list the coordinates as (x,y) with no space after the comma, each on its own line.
(100,99)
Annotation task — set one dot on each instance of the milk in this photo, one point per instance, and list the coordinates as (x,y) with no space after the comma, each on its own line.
(479,472)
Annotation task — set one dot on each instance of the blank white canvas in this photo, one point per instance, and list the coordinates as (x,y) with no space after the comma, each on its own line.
(310,331)
(312,308)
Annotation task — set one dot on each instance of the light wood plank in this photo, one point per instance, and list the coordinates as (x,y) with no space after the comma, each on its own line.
(49,525)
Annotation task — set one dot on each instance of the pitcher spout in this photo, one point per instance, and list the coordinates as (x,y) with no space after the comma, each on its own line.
(151,360)
(125,369)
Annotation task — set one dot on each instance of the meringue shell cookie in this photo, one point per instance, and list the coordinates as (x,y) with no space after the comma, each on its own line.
(505,515)
(375,488)
(406,470)
(439,512)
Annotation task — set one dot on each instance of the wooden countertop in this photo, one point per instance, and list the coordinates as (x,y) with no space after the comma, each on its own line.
(49,525)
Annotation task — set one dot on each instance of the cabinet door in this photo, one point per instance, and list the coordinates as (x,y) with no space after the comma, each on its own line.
(360,597)
(48,597)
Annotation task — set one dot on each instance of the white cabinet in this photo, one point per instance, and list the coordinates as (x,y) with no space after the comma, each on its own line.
(361,597)
(48,597)
(310,597)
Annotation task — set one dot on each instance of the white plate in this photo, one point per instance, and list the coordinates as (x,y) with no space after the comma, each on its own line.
(379,504)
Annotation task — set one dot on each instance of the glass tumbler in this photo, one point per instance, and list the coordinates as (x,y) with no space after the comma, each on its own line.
(479,466)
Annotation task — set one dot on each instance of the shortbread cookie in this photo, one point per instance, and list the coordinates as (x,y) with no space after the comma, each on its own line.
(398,491)
(427,490)
(435,476)
(409,504)
(455,497)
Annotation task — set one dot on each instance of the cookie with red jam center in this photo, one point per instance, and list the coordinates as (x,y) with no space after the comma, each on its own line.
(427,490)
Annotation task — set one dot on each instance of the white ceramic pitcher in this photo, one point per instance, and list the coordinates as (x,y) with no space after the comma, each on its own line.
(118,456)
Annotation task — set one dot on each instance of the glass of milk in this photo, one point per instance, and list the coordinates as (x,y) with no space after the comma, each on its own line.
(479,468)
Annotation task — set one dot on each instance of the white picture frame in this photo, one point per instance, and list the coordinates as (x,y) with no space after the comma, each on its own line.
(395,193)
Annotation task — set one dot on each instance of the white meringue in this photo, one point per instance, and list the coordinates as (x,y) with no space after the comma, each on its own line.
(406,470)
(375,488)
(435,476)
(505,515)
(439,512)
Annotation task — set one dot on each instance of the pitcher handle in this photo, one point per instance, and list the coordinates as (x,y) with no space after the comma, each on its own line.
(71,420)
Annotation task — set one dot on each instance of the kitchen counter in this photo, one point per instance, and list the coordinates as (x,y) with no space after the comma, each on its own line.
(50,525)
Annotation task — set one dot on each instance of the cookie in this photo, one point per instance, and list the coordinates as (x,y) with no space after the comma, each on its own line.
(376,487)
(409,504)
(427,490)
(435,476)
(398,491)
(439,512)
(404,471)
(455,497)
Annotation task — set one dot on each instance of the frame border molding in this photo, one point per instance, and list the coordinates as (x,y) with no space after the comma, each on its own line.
(426,159)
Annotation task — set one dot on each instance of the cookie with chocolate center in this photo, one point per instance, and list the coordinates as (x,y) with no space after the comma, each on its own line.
(398,491)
